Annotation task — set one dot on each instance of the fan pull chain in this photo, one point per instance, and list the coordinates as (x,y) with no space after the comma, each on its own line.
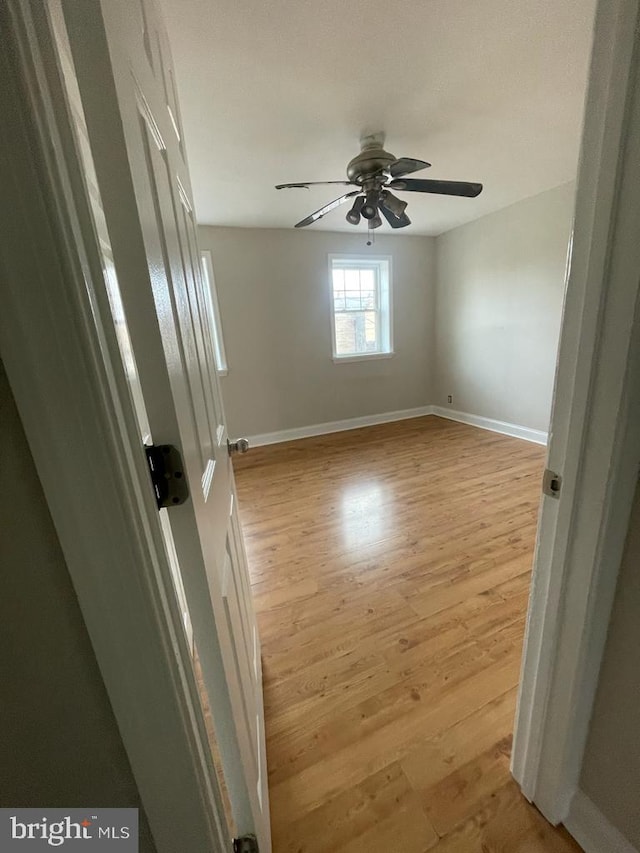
(371,235)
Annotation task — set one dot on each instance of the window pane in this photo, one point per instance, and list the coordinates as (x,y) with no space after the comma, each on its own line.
(357,286)
(352,279)
(345,334)
(353,300)
(356,332)
(369,289)
(369,299)
(367,281)
(371,331)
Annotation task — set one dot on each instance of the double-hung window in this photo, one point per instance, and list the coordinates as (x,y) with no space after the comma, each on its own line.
(360,307)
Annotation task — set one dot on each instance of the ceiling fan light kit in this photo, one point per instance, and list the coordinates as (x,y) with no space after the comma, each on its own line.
(370,206)
(375,172)
(355,214)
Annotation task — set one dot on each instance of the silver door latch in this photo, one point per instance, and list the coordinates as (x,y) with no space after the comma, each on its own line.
(551,483)
(240,445)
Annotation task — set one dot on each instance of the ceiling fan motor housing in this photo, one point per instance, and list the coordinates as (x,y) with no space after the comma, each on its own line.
(370,161)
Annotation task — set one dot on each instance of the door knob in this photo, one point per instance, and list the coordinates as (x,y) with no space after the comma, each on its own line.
(240,445)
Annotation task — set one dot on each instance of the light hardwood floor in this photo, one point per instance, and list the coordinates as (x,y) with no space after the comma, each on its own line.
(390,568)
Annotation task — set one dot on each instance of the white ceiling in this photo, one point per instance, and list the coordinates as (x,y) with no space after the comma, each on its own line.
(277,91)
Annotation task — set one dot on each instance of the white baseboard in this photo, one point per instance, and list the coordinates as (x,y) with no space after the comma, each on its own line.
(535,435)
(337,426)
(592,830)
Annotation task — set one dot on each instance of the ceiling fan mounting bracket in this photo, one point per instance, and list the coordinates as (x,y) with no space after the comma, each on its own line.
(372,140)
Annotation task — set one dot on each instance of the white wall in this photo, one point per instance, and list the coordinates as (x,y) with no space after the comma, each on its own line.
(61,746)
(498,312)
(273,289)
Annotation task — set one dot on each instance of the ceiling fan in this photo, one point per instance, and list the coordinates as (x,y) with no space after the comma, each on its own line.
(375,173)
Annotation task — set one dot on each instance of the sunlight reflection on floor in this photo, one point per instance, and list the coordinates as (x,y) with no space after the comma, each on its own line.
(366,513)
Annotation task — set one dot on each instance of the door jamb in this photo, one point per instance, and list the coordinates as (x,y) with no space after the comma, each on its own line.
(59,347)
(592,444)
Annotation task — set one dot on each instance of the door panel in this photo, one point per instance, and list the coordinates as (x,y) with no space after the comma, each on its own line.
(181,394)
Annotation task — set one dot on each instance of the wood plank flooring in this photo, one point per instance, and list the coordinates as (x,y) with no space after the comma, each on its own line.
(390,568)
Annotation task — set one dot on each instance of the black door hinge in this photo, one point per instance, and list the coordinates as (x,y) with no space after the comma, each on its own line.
(246,844)
(167,474)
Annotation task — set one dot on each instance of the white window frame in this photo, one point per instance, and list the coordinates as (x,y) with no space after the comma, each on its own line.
(383,264)
(218,340)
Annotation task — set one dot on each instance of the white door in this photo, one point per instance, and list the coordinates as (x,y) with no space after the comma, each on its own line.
(123,70)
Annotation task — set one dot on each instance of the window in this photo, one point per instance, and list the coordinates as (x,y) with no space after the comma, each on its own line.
(214,310)
(361,307)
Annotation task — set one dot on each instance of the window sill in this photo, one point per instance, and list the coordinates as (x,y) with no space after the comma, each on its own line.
(370,356)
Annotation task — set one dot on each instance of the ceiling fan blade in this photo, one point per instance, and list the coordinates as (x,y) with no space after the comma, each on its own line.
(393,220)
(417,185)
(326,209)
(407,165)
(307,184)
